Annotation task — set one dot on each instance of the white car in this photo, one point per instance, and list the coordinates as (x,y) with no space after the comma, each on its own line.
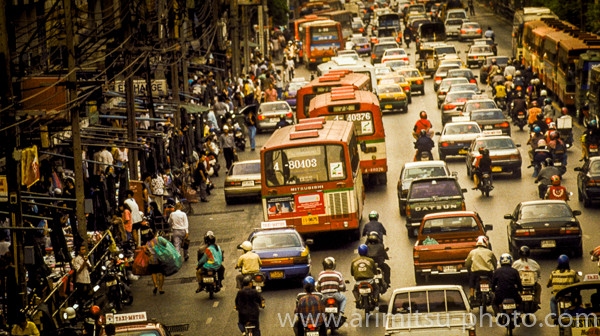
(456,138)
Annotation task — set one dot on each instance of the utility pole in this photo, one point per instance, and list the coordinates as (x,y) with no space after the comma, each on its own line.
(235,48)
(75,128)
(13,161)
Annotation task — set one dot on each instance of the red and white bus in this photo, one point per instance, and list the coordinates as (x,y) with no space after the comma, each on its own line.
(311,177)
(319,40)
(363,110)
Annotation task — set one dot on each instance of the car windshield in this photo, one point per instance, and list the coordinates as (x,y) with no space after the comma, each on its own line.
(595,167)
(275,241)
(434,188)
(245,168)
(421,172)
(458,97)
(480,49)
(446,83)
(410,73)
(486,104)
(360,40)
(544,211)
(389,89)
(491,144)
(487,115)
(461,129)
(450,224)
(274,107)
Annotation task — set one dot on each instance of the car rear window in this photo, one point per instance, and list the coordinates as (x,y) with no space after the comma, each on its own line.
(245,169)
(544,211)
(429,189)
(450,224)
(487,115)
(274,241)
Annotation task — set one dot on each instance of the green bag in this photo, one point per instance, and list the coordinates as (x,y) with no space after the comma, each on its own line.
(167,256)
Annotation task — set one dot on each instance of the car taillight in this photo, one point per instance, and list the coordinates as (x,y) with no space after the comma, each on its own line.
(261,117)
(524,232)
(478,31)
(462,31)
(569,230)
(289,114)
(449,106)
(419,81)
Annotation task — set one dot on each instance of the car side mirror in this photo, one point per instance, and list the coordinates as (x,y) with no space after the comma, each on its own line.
(463,190)
(508,216)
(383,308)
(576,212)
(518,145)
(488,227)
(310,242)
(577,169)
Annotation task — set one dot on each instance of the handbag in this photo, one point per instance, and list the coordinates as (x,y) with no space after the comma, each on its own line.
(141,262)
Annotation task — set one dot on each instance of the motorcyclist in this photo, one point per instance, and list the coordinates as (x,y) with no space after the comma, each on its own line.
(545,177)
(331,283)
(421,124)
(363,268)
(309,309)
(541,123)
(424,144)
(524,263)
(481,261)
(560,278)
(556,191)
(590,136)
(482,164)
(378,252)
(374,225)
(540,154)
(506,282)
(249,263)
(533,113)
(211,259)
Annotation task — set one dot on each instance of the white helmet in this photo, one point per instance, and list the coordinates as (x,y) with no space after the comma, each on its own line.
(246,246)
(482,241)
(543,93)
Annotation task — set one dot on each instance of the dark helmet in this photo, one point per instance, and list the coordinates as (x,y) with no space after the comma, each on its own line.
(563,261)
(363,250)
(524,251)
(329,263)
(209,238)
(423,133)
(423,115)
(373,237)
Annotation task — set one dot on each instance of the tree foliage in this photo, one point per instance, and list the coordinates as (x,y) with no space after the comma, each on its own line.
(278,10)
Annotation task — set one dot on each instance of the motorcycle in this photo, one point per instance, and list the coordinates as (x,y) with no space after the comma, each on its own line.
(509,315)
(528,304)
(483,294)
(209,282)
(521,120)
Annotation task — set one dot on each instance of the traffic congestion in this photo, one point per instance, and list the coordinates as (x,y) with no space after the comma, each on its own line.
(429,168)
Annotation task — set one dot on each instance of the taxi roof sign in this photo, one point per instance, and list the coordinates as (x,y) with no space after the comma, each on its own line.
(273,225)
(126,318)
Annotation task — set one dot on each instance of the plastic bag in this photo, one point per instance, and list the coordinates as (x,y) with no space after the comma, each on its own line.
(141,262)
(168,257)
(430,241)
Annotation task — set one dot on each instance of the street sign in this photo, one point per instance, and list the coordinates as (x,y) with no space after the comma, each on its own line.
(159,87)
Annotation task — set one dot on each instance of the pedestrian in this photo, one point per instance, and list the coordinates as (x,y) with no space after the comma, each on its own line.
(471,7)
(271,94)
(279,84)
(154,267)
(136,217)
(228,145)
(82,268)
(247,302)
(24,327)
(180,227)
(251,124)
(200,176)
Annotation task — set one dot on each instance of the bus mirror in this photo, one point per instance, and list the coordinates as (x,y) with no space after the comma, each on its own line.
(363,146)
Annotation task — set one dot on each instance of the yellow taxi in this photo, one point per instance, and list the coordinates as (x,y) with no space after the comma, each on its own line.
(413,75)
(398,79)
(392,98)
(133,324)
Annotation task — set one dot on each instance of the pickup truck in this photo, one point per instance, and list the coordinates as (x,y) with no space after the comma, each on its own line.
(430,195)
(448,237)
(441,310)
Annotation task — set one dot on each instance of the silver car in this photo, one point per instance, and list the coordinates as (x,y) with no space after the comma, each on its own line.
(242,180)
(269,114)
(469,30)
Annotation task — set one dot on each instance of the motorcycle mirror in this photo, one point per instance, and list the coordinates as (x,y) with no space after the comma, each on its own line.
(576,212)
(488,227)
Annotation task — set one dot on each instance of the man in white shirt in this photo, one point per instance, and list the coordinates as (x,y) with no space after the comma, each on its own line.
(136,218)
(179,224)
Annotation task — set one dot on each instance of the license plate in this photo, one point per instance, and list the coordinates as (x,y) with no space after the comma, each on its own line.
(208,280)
(364,290)
(312,333)
(332,310)
(310,220)
(548,243)
(509,306)
(449,269)
(326,59)
(496,169)
(484,287)
(463,151)
(111,283)
(276,275)
(388,106)
(520,116)
(527,297)
(247,183)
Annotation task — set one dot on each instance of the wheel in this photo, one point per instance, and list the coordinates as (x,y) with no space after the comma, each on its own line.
(517,173)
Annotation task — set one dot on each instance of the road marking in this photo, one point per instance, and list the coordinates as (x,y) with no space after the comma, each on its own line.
(216,304)
(208,320)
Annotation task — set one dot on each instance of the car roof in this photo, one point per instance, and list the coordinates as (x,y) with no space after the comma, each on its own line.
(436,163)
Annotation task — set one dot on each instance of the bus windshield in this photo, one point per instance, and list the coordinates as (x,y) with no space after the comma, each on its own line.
(306,164)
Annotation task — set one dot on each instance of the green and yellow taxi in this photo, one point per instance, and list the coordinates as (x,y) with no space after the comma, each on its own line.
(413,75)
(392,98)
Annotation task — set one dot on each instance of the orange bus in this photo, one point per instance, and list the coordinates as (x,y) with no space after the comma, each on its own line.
(363,110)
(324,84)
(311,177)
(320,40)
